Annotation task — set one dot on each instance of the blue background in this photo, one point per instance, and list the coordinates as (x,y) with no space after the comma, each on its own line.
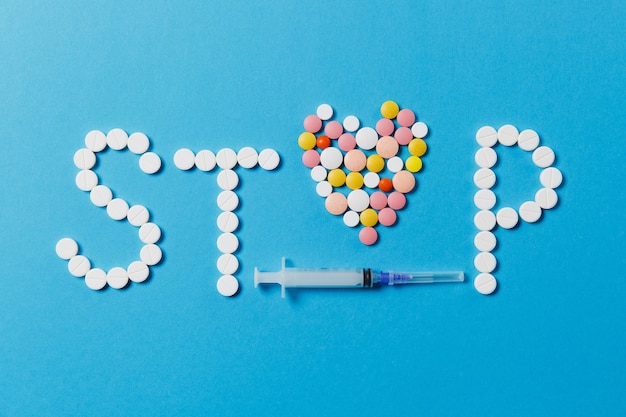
(232,74)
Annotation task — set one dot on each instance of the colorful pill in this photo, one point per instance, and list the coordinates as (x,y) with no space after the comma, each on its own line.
(311,158)
(354,180)
(387,147)
(336,177)
(333,129)
(312,123)
(385,185)
(378,200)
(323,142)
(355,160)
(413,163)
(396,200)
(368,236)
(375,163)
(417,147)
(389,109)
(369,217)
(346,142)
(404,181)
(403,135)
(307,141)
(406,117)
(385,127)
(387,217)
(336,203)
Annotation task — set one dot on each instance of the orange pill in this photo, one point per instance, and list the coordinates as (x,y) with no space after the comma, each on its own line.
(403,181)
(385,185)
(387,147)
(336,203)
(323,142)
(355,160)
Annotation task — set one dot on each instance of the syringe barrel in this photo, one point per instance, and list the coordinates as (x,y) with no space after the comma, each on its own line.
(323,277)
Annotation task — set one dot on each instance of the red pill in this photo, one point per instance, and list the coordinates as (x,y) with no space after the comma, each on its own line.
(323,142)
(385,185)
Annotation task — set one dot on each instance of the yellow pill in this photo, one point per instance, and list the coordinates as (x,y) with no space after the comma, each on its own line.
(389,109)
(413,163)
(417,147)
(336,177)
(375,163)
(354,180)
(307,140)
(369,217)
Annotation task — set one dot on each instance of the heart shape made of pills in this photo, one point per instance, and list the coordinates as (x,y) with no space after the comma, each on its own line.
(364,173)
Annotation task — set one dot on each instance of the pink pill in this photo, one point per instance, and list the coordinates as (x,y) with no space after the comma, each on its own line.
(355,160)
(396,200)
(385,127)
(378,200)
(406,117)
(368,236)
(387,147)
(333,129)
(311,158)
(346,142)
(403,135)
(312,123)
(387,217)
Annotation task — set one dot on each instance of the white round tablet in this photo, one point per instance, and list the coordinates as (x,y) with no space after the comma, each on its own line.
(269,159)
(226,158)
(486,157)
(117,139)
(117,209)
(149,233)
(227,243)
(138,271)
(358,200)
(138,143)
(485,262)
(366,138)
(227,264)
(205,160)
(86,180)
(546,198)
(117,278)
(543,157)
(551,177)
(323,188)
(95,141)
(351,218)
(419,130)
(487,136)
(96,279)
(507,218)
(138,215)
(395,164)
(530,211)
(507,135)
(227,221)
(351,123)
(247,157)
(484,178)
(528,140)
(66,248)
(150,254)
(371,180)
(227,201)
(184,159)
(484,199)
(324,111)
(318,173)
(331,158)
(485,283)
(150,163)
(227,285)
(84,159)
(227,179)
(485,220)
(101,195)
(78,265)
(485,241)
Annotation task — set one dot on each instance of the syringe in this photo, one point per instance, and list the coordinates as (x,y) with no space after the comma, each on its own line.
(348,278)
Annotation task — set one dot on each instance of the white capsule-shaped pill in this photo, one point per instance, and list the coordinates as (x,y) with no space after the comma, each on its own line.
(117,278)
(150,254)
(507,218)
(551,177)
(101,195)
(227,285)
(66,248)
(117,139)
(150,163)
(486,157)
(96,279)
(508,135)
(227,179)
(485,241)
(227,201)
(247,157)
(86,180)
(543,157)
(484,199)
(78,265)
(117,209)
(546,198)
(138,215)
(227,221)
(485,220)
(205,160)
(323,188)
(184,159)
(149,233)
(485,283)
(530,211)
(138,271)
(487,136)
(84,159)
(528,140)
(485,262)
(484,178)
(227,264)
(95,141)
(269,159)
(138,143)
(226,158)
